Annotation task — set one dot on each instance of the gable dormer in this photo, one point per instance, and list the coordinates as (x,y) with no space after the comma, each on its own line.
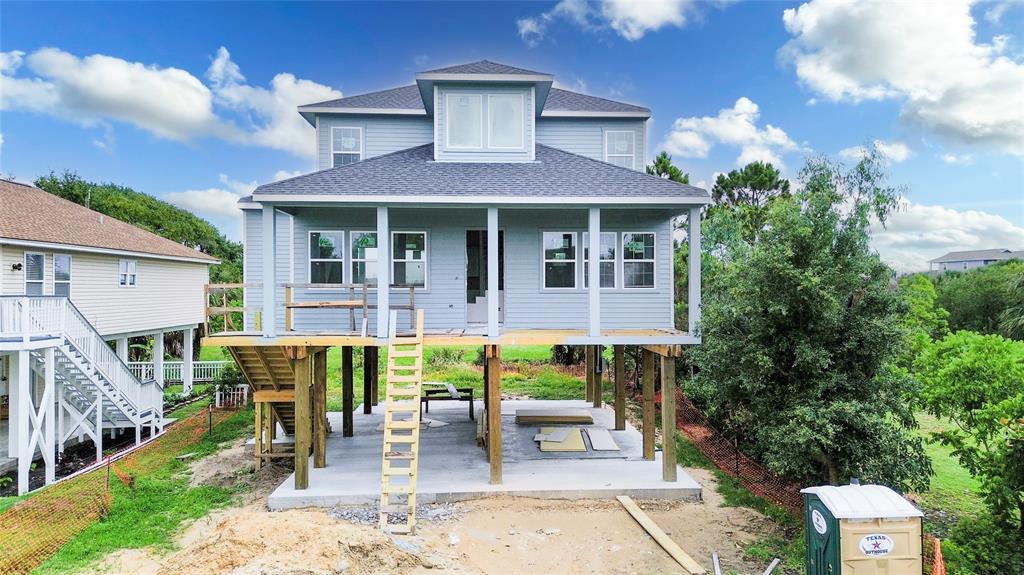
(484,111)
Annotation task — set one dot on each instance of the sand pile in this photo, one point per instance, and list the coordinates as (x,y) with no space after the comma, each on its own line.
(293,542)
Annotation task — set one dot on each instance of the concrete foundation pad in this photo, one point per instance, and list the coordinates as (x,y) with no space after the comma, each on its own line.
(453,468)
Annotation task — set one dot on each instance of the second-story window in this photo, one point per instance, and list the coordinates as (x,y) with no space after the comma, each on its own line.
(620,148)
(346,145)
(62,275)
(464,126)
(126,276)
(325,257)
(34,265)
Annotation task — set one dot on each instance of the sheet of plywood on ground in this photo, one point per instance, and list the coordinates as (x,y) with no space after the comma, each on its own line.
(661,537)
(542,416)
(573,441)
(601,439)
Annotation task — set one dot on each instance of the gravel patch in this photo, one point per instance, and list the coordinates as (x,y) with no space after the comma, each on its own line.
(369,515)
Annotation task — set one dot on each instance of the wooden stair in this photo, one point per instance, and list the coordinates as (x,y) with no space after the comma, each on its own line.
(268,368)
(401,427)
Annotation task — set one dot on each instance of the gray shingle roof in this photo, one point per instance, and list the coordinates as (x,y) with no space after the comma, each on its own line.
(403,98)
(568,101)
(974,255)
(413,172)
(483,67)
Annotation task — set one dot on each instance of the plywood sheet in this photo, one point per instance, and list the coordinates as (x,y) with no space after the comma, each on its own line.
(601,440)
(542,416)
(573,441)
(557,435)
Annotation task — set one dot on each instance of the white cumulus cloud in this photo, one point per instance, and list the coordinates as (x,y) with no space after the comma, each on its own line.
(738,126)
(892,152)
(962,159)
(215,201)
(924,54)
(285,174)
(917,233)
(630,19)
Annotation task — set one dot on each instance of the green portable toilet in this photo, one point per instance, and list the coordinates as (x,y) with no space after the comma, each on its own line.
(861,530)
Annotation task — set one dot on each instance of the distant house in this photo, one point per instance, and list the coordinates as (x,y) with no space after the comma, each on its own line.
(959,261)
(74,286)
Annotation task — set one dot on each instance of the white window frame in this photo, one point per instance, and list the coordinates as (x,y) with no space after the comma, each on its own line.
(310,260)
(654,261)
(585,258)
(575,261)
(70,273)
(42,281)
(353,260)
(632,136)
(131,270)
(362,143)
(522,126)
(426,258)
(448,121)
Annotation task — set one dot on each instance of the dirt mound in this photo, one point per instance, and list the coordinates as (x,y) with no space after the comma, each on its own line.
(307,542)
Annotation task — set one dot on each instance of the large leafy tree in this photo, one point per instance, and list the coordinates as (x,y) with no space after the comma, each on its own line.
(800,328)
(664,168)
(925,320)
(1011,320)
(978,299)
(750,192)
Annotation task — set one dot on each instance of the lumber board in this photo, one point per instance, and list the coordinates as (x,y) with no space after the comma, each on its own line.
(601,440)
(545,416)
(282,396)
(666,542)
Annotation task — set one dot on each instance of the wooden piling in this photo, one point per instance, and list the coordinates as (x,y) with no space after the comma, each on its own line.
(620,387)
(589,353)
(494,412)
(320,409)
(258,426)
(598,376)
(346,392)
(375,375)
(367,381)
(648,419)
(303,420)
(668,418)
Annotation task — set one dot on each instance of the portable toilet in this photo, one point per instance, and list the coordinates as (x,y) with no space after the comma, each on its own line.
(861,530)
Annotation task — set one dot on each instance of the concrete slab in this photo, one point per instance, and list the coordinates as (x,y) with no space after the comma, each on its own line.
(452,467)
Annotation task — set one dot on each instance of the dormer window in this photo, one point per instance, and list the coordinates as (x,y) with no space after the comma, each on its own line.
(505,121)
(465,120)
(346,145)
(485,121)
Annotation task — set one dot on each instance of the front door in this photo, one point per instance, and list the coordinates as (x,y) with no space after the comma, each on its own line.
(476,276)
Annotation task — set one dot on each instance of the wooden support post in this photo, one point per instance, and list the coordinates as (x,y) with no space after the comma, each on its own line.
(620,388)
(486,381)
(346,391)
(494,412)
(589,352)
(375,375)
(598,376)
(648,423)
(668,418)
(367,382)
(287,308)
(303,420)
(320,409)
(258,427)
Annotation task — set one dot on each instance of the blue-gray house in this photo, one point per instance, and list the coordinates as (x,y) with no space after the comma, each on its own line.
(478,194)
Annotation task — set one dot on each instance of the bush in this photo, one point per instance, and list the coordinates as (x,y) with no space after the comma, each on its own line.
(445,356)
(229,376)
(980,547)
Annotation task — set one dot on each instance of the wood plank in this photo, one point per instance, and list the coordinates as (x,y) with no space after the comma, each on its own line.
(347,392)
(668,418)
(647,428)
(670,546)
(545,416)
(269,372)
(620,387)
(494,413)
(303,420)
(279,396)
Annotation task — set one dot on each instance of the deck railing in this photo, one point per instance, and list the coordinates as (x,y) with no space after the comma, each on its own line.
(202,371)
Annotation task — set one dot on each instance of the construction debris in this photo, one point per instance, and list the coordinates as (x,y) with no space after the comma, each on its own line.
(661,537)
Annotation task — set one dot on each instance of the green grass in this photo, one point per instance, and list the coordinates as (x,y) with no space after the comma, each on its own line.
(149,513)
(213,353)
(954,493)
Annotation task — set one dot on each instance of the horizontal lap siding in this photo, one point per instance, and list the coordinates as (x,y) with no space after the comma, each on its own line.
(381,134)
(585,136)
(254,261)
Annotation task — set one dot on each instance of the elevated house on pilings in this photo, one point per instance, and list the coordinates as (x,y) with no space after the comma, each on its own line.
(75,285)
(477,194)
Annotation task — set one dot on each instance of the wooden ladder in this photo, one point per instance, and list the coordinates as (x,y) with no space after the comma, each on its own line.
(401,426)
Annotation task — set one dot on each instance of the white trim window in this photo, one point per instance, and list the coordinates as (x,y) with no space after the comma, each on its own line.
(638,259)
(505,127)
(464,121)
(326,256)
(346,145)
(35,272)
(62,275)
(127,275)
(364,257)
(620,148)
(559,254)
(409,258)
(608,252)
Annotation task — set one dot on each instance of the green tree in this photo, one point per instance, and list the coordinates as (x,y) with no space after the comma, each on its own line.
(750,191)
(977,299)
(800,329)
(977,382)
(926,321)
(664,168)
(1011,320)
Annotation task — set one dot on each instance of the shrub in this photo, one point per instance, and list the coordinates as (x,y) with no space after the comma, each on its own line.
(445,356)
(980,547)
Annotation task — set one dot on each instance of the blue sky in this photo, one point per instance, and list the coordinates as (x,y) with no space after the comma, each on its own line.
(194,103)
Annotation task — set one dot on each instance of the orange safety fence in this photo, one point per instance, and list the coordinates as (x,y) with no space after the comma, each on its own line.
(33,530)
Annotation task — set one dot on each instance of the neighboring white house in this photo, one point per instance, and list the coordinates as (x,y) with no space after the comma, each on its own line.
(959,261)
(74,286)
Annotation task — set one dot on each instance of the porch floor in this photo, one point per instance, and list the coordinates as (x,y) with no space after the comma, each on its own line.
(452,467)
(7,463)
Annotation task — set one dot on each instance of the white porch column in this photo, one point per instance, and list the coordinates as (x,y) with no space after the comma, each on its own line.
(693,281)
(493,299)
(186,361)
(269,319)
(122,348)
(594,271)
(24,403)
(383,272)
(48,409)
(158,357)
(14,415)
